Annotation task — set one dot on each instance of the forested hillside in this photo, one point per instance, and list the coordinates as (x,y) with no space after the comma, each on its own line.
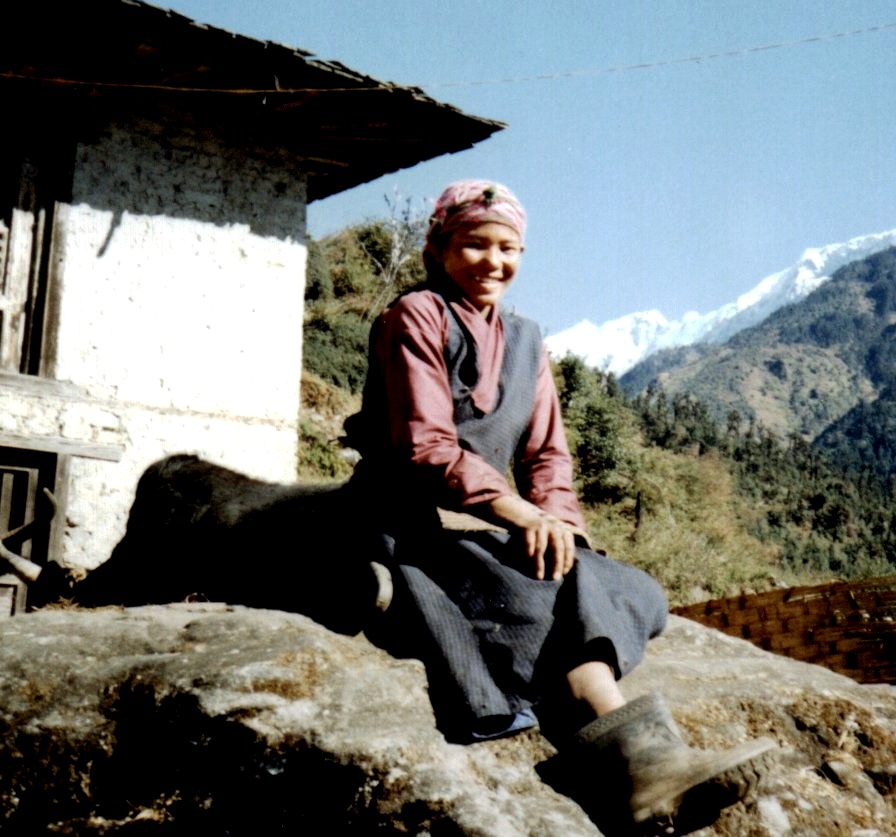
(709,507)
(863,442)
(823,368)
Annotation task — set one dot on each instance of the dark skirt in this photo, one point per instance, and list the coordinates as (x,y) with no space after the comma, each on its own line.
(494,639)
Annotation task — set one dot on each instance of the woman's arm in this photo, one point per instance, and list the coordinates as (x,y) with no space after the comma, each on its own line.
(548,511)
(543,469)
(410,351)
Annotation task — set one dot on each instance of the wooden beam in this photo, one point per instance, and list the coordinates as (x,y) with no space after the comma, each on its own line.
(58,445)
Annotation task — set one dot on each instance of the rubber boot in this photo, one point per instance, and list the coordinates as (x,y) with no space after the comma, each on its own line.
(638,755)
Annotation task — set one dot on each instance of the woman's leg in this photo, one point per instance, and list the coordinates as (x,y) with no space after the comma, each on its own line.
(628,764)
(594,684)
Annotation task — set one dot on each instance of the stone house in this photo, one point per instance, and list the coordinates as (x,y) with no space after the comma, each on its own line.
(154,179)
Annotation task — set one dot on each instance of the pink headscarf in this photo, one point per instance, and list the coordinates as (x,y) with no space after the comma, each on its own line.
(473,202)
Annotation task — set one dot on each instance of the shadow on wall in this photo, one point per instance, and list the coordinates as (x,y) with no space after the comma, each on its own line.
(142,159)
(145,167)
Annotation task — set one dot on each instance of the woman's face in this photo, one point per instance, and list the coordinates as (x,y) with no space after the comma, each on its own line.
(482,260)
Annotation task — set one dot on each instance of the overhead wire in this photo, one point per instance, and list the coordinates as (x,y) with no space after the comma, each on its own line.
(419,87)
(650,65)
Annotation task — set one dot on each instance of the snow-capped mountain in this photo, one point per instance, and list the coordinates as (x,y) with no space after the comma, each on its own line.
(617,345)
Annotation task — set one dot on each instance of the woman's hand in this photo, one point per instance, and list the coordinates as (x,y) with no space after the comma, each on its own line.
(550,542)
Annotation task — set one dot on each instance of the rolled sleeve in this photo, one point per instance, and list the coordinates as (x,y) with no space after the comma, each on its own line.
(544,466)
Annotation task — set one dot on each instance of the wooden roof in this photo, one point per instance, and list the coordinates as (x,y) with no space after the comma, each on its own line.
(345,128)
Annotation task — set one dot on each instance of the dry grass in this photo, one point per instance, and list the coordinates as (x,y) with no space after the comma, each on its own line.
(324,409)
(691,532)
(325,405)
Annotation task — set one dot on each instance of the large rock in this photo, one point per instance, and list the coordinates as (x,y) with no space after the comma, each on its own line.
(214,720)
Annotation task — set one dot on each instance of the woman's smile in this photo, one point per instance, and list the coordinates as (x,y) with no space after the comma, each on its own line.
(482,260)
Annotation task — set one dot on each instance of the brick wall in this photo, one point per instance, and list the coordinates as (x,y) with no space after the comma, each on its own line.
(849,627)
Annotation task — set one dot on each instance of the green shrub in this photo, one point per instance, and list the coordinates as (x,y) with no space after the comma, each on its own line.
(335,349)
(319,458)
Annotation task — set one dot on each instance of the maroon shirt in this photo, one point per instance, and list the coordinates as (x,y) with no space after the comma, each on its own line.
(410,352)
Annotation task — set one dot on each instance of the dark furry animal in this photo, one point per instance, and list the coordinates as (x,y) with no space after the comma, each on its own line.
(198,530)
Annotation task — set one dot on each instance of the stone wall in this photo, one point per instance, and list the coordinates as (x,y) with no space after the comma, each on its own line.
(178,285)
(849,627)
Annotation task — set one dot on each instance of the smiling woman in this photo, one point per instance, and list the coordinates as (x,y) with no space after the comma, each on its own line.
(517,620)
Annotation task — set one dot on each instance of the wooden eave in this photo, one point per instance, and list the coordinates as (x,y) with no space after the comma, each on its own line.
(345,128)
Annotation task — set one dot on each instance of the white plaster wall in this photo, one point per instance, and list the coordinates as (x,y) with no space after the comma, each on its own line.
(181,281)
(181,313)
(184,305)
(102,491)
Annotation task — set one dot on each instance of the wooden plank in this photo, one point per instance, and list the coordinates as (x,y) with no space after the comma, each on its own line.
(8,596)
(32,385)
(15,283)
(6,483)
(52,444)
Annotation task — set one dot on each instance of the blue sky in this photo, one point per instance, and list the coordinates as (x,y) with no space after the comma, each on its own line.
(676,186)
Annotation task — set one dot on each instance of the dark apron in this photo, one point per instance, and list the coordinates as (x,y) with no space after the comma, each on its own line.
(493,638)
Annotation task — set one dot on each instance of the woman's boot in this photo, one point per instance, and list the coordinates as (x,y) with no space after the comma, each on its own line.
(636,754)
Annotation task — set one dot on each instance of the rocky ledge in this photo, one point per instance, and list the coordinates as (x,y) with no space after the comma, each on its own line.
(210,719)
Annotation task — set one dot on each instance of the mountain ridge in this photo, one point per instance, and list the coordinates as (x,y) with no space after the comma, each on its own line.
(822,368)
(618,345)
